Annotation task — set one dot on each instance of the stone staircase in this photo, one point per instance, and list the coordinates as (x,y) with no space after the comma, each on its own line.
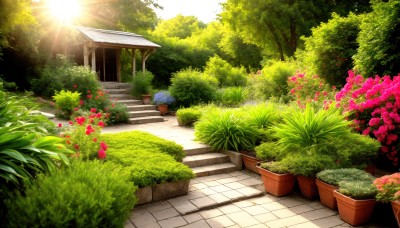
(138,112)
(204,162)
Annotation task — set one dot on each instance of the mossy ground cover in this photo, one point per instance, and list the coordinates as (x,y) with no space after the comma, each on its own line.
(150,159)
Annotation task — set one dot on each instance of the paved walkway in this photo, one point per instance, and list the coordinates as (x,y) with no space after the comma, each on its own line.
(232,200)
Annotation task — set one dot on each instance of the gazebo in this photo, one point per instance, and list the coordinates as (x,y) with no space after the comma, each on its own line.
(103,49)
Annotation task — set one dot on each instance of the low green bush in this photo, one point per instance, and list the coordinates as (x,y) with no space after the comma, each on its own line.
(232,96)
(66,101)
(227,130)
(268,151)
(89,194)
(334,176)
(148,159)
(190,87)
(275,167)
(308,164)
(226,74)
(359,190)
(137,140)
(188,116)
(118,113)
(141,83)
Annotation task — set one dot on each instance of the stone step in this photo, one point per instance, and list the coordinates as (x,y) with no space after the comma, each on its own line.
(117,91)
(147,119)
(198,150)
(205,159)
(115,85)
(133,108)
(209,170)
(120,96)
(143,113)
(130,102)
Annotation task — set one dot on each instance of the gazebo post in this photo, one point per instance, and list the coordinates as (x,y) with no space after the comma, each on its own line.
(133,62)
(94,59)
(145,54)
(85,55)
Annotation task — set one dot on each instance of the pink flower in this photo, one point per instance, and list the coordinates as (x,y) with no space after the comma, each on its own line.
(89,130)
(80,120)
(101,124)
(60,124)
(102,154)
(374,122)
(103,146)
(94,110)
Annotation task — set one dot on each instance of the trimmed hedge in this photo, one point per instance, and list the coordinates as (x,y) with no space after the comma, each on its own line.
(89,194)
(149,159)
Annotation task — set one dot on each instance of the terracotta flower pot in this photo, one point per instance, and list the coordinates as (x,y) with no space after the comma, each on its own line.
(250,162)
(277,184)
(307,186)
(354,212)
(146,99)
(396,210)
(326,194)
(163,108)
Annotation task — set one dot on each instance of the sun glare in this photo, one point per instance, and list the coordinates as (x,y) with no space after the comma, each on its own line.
(64,10)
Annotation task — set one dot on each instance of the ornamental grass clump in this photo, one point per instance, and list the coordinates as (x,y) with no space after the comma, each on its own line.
(388,187)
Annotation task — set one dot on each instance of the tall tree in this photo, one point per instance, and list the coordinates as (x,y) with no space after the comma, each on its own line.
(179,26)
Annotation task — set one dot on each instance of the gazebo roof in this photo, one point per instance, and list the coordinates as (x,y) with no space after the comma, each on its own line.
(116,38)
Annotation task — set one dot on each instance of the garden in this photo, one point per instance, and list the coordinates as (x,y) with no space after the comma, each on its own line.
(318,113)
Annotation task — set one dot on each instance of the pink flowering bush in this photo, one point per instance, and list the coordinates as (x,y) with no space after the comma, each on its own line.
(82,136)
(310,89)
(374,105)
(388,187)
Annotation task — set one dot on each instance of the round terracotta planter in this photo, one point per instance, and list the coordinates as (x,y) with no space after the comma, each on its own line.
(250,162)
(354,212)
(277,184)
(326,194)
(146,99)
(396,211)
(307,185)
(163,108)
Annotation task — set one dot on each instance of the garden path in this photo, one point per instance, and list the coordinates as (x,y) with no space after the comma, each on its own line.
(224,200)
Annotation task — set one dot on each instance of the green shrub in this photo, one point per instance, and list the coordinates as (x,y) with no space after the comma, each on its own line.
(137,140)
(232,96)
(66,101)
(118,113)
(62,74)
(141,83)
(359,190)
(225,129)
(328,51)
(308,164)
(225,73)
(96,99)
(188,116)
(148,159)
(268,151)
(334,176)
(190,87)
(89,194)
(275,167)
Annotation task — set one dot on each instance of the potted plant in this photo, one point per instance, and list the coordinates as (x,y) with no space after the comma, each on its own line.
(328,180)
(388,188)
(141,86)
(162,99)
(356,200)
(277,180)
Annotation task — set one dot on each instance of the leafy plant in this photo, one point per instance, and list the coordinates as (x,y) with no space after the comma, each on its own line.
(268,151)
(188,116)
(388,187)
(232,96)
(163,97)
(117,113)
(226,75)
(358,189)
(141,83)
(225,129)
(66,101)
(275,167)
(89,194)
(190,87)
(335,176)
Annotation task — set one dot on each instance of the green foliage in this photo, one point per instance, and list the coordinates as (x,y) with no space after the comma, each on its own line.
(268,151)
(118,113)
(225,129)
(136,140)
(335,176)
(179,26)
(61,74)
(308,164)
(225,73)
(66,101)
(190,87)
(275,167)
(378,53)
(141,83)
(329,50)
(303,129)
(148,159)
(188,116)
(232,96)
(359,190)
(89,194)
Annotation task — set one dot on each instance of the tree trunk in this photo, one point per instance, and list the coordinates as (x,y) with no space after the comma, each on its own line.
(277,41)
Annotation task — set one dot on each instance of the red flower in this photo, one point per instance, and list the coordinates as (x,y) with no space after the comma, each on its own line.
(94,139)
(102,154)
(103,146)
(80,120)
(75,86)
(101,124)
(89,129)
(76,109)
(70,122)
(89,96)
(60,125)
(93,110)
(81,102)
(76,146)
